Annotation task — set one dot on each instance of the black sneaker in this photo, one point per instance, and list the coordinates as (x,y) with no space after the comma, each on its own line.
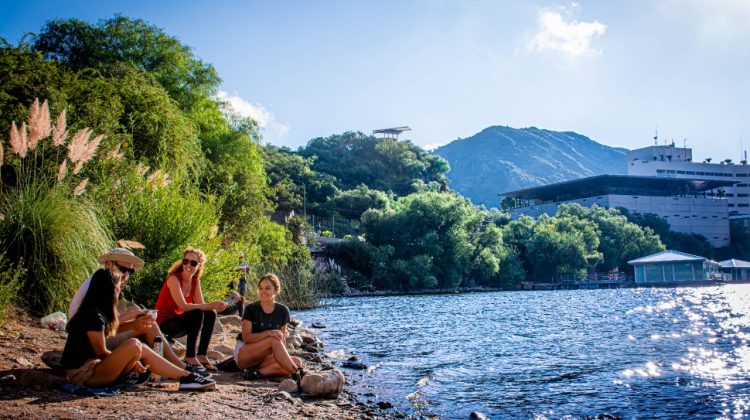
(197,370)
(134,379)
(251,374)
(193,382)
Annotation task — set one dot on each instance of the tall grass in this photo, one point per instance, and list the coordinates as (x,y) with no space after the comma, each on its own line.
(55,237)
(10,282)
(47,226)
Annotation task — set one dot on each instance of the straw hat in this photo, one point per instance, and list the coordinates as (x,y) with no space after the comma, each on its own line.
(122,255)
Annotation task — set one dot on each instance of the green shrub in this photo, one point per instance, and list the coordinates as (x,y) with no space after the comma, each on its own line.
(58,238)
(10,282)
(165,218)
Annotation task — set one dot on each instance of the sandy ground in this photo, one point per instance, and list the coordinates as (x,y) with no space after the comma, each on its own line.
(26,390)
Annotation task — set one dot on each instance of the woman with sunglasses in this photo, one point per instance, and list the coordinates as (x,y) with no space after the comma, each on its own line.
(88,359)
(182,310)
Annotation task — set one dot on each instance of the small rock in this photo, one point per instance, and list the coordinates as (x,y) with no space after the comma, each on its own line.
(353,359)
(354,365)
(231,322)
(324,384)
(384,405)
(477,415)
(23,362)
(283,395)
(295,322)
(317,358)
(288,385)
(318,325)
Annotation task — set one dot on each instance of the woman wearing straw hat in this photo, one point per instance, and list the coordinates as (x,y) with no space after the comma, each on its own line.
(87,358)
(136,323)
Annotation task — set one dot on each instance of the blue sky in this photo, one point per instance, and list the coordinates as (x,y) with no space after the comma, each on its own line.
(610,70)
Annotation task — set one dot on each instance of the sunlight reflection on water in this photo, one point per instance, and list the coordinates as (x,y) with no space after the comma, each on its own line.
(636,353)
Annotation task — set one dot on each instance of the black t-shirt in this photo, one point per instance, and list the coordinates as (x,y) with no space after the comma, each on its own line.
(78,346)
(262,321)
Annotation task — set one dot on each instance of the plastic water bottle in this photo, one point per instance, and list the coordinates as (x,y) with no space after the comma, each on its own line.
(158,349)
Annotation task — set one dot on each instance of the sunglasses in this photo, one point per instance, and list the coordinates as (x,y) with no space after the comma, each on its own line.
(125,270)
(193,263)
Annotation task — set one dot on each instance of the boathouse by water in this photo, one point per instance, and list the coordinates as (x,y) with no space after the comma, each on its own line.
(674,267)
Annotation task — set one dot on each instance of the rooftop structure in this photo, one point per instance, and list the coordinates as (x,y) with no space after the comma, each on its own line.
(617,184)
(684,203)
(391,132)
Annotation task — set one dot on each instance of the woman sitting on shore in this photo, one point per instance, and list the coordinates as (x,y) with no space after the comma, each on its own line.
(261,344)
(182,310)
(86,357)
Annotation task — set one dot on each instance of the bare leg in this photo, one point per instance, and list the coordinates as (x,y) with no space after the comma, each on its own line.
(270,367)
(120,361)
(253,354)
(161,366)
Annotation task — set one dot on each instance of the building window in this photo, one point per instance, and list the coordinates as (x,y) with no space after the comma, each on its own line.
(731,205)
(741,175)
(743,205)
(742,195)
(669,171)
(681,172)
(700,173)
(660,171)
(690,172)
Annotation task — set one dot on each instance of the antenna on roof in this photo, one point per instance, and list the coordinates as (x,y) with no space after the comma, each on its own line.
(656,136)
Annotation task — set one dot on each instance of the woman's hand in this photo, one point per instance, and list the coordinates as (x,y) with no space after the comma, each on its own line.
(143,324)
(276,334)
(138,368)
(218,305)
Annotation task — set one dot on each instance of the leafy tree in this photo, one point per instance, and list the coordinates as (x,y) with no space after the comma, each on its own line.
(352,203)
(620,239)
(136,43)
(381,164)
(294,184)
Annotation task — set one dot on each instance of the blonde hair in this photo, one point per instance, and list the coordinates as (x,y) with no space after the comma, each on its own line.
(177,265)
(273,279)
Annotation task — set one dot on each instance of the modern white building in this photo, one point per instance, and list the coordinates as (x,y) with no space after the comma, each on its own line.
(677,162)
(683,203)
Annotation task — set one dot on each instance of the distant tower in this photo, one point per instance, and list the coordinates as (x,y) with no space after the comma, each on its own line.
(656,136)
(391,133)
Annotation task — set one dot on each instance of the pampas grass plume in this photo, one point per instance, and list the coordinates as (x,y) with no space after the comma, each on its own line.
(81,187)
(39,125)
(77,146)
(24,142)
(62,170)
(60,132)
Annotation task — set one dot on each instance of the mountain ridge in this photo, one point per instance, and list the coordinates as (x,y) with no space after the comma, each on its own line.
(500,159)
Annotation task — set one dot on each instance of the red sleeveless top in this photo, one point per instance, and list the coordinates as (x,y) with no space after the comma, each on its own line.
(166,305)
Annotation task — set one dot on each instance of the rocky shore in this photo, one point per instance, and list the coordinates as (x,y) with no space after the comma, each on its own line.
(27,385)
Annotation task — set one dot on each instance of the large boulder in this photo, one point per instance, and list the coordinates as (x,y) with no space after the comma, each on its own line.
(328,384)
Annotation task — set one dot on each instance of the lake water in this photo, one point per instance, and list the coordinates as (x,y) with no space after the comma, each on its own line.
(634,353)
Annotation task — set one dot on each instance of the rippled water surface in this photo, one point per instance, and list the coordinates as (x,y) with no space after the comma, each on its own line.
(635,353)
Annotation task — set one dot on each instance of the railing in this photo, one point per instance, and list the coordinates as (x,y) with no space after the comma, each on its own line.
(595,278)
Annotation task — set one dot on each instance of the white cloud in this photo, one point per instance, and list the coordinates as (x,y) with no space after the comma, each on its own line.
(273,131)
(570,38)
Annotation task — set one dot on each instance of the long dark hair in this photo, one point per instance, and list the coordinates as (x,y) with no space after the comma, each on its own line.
(102,297)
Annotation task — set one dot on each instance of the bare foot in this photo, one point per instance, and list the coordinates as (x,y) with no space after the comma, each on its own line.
(207,364)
